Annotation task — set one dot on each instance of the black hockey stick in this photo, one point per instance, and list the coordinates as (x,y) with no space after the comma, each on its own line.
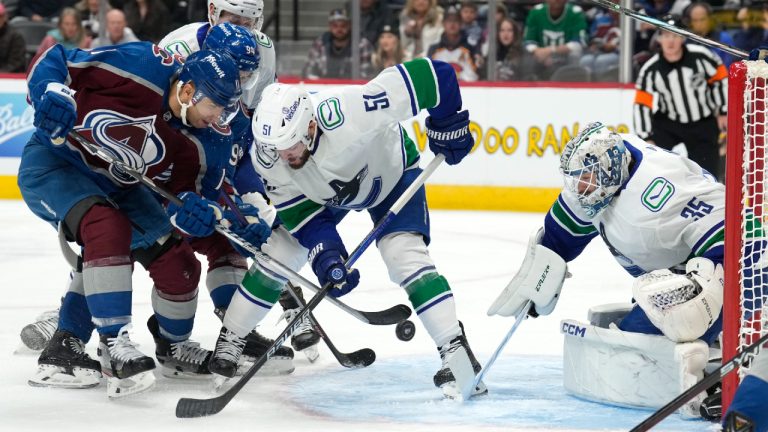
(701,386)
(393,315)
(188,407)
(361,358)
(357,359)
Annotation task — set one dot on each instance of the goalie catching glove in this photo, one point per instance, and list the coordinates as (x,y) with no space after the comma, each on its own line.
(683,307)
(539,280)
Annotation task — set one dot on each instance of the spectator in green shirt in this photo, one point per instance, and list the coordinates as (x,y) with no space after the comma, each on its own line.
(555,35)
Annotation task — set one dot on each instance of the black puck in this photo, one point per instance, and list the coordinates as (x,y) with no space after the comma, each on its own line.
(405,330)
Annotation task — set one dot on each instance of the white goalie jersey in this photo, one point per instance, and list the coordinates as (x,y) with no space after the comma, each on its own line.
(189,38)
(668,211)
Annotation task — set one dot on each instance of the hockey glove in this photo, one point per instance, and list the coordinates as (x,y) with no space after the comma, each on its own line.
(256,232)
(196,217)
(56,112)
(328,265)
(450,136)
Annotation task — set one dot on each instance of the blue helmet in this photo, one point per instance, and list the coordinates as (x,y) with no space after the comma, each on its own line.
(236,41)
(215,76)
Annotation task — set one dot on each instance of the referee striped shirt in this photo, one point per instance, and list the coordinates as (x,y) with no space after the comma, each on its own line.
(689,90)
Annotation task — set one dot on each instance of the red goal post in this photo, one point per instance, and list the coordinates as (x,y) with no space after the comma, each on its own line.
(746,255)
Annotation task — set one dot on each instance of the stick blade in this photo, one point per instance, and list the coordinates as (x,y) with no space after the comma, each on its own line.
(360,359)
(390,316)
(192,408)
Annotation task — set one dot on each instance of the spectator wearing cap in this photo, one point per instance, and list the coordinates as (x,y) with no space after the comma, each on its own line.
(469,24)
(555,35)
(374,15)
(421,25)
(12,46)
(117,32)
(454,49)
(331,54)
(69,33)
(389,51)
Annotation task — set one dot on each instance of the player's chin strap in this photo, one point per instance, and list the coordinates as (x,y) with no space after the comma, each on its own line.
(184,106)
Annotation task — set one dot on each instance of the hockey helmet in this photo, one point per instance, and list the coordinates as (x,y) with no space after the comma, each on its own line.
(595,165)
(215,77)
(251,12)
(284,121)
(240,44)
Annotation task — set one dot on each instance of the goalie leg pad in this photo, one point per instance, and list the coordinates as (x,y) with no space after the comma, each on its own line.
(628,369)
(539,279)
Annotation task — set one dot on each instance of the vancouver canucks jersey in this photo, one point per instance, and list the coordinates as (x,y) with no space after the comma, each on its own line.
(668,211)
(189,38)
(121,94)
(360,150)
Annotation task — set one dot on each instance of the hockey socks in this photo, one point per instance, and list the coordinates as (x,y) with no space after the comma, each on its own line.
(432,300)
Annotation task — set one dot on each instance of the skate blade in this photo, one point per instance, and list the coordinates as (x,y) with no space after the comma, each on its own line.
(119,388)
(311,353)
(275,366)
(452,391)
(172,373)
(58,377)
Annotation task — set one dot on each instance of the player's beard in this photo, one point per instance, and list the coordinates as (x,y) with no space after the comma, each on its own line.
(299,161)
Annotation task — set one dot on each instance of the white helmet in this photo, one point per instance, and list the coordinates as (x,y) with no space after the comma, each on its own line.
(597,160)
(282,119)
(251,9)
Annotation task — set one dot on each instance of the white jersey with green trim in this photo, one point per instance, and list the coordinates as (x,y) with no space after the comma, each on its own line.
(668,212)
(360,150)
(189,38)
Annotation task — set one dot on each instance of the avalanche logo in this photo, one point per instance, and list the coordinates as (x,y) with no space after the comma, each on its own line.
(133,141)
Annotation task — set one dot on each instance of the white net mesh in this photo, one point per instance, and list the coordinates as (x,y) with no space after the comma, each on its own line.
(754,208)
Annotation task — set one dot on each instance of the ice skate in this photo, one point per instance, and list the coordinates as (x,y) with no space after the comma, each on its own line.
(226,356)
(36,335)
(459,368)
(128,370)
(305,339)
(185,359)
(64,364)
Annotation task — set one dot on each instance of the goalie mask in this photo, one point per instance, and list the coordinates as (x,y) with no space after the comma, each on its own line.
(595,164)
(246,13)
(284,121)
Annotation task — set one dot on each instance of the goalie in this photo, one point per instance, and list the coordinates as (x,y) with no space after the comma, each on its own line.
(661,215)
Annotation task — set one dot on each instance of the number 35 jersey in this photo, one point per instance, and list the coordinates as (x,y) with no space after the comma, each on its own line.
(668,211)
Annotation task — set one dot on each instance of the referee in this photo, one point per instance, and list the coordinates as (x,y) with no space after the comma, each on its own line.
(681,98)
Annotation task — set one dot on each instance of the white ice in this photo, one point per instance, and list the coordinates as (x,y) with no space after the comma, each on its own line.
(478,252)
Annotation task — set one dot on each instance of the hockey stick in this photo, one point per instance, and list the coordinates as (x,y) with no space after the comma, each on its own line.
(357,359)
(665,26)
(393,315)
(518,319)
(360,358)
(188,407)
(707,382)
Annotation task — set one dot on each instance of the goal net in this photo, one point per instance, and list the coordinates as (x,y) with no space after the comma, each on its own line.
(744,315)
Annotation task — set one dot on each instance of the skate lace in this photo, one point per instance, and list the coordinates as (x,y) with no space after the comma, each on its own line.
(189,352)
(449,348)
(121,347)
(229,346)
(47,322)
(290,314)
(76,345)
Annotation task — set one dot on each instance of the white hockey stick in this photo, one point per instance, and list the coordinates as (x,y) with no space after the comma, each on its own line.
(523,314)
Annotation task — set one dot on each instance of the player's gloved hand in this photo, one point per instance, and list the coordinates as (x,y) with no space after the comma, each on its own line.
(256,231)
(328,265)
(196,217)
(56,112)
(760,53)
(450,136)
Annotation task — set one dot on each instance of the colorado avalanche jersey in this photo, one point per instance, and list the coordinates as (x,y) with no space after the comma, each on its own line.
(189,38)
(122,99)
(667,212)
(360,150)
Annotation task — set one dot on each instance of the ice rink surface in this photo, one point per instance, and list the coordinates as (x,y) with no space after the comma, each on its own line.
(478,252)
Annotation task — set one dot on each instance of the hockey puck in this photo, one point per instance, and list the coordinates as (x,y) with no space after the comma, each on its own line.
(405,330)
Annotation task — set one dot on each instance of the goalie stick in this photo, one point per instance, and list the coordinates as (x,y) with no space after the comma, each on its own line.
(390,316)
(665,26)
(707,382)
(360,358)
(188,407)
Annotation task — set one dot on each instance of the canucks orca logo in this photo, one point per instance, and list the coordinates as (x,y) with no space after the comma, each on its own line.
(346,192)
(133,141)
